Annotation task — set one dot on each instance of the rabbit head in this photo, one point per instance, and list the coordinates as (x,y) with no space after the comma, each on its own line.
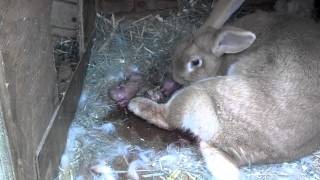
(200,56)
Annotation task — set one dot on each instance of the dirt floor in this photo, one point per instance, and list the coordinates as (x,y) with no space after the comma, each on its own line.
(107,143)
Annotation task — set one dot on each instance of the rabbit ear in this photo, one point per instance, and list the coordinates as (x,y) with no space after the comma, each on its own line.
(232,40)
(221,12)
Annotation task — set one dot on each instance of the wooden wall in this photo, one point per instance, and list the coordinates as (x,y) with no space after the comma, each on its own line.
(36,122)
(29,95)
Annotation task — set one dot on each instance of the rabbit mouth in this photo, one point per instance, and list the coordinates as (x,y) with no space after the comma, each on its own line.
(179,79)
(184,82)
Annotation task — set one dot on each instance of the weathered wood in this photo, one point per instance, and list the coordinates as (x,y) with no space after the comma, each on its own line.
(37,127)
(53,143)
(87,23)
(266,5)
(6,165)
(143,5)
(117,6)
(30,96)
(260,1)
(65,18)
(114,6)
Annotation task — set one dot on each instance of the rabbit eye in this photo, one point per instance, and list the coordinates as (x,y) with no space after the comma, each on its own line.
(196,61)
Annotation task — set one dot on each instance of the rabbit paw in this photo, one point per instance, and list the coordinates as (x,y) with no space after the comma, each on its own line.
(149,110)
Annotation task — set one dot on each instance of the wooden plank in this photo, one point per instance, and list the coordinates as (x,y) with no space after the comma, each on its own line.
(30,79)
(64,15)
(69,1)
(62,32)
(87,23)
(6,164)
(114,6)
(53,143)
(117,6)
(65,19)
(143,5)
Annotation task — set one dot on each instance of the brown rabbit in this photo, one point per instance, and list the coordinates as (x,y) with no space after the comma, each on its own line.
(193,58)
(267,110)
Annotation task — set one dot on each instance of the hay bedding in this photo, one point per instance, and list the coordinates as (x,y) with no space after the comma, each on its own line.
(66,52)
(104,143)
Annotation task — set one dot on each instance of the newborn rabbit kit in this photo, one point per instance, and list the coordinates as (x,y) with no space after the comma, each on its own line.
(134,55)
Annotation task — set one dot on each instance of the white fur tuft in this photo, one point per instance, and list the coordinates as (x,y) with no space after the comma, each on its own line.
(218,164)
(106,173)
(231,69)
(108,128)
(200,118)
(133,167)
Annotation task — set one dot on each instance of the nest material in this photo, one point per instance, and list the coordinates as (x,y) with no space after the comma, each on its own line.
(66,52)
